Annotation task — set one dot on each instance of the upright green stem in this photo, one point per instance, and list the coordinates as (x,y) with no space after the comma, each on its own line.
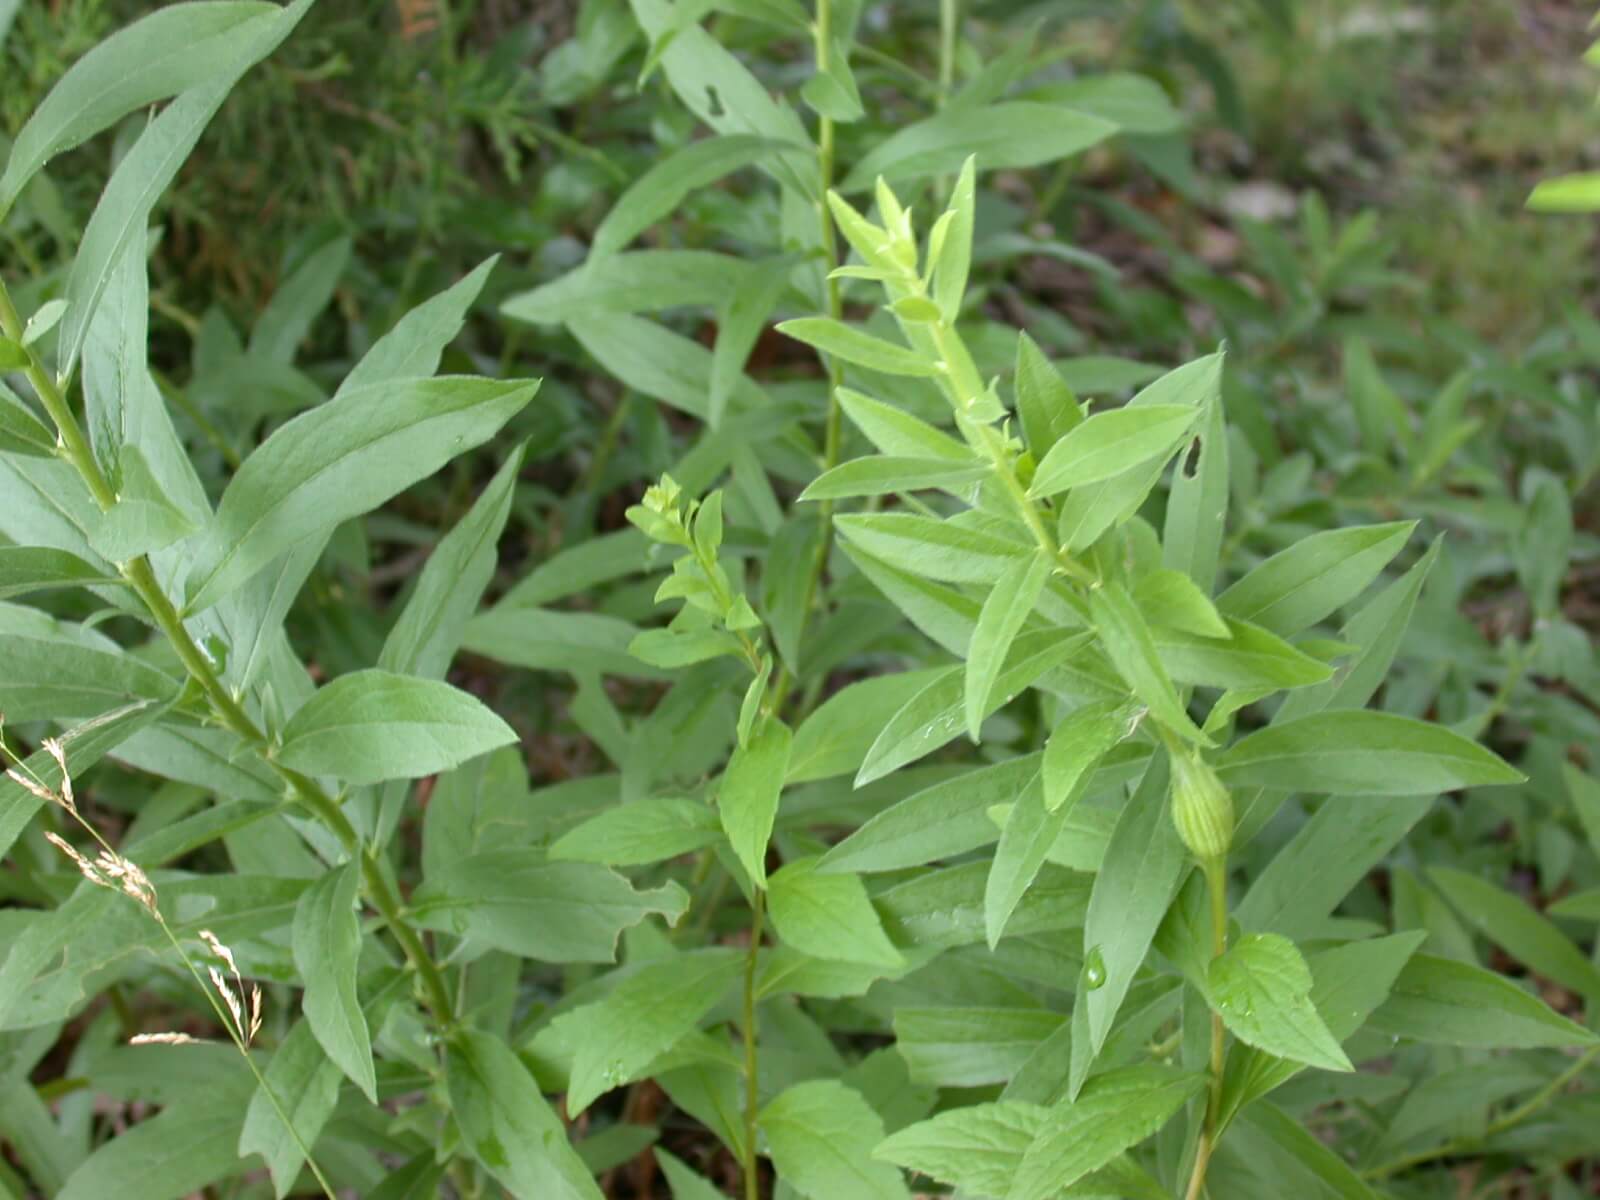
(949,25)
(1217,883)
(74,448)
(752,1076)
(822,45)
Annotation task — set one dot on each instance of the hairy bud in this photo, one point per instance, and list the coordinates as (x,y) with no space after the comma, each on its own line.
(1202,809)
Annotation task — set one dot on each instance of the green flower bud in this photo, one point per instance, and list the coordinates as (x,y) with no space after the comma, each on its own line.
(1202,809)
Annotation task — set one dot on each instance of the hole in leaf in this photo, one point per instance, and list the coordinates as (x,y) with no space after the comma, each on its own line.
(715,101)
(1191,459)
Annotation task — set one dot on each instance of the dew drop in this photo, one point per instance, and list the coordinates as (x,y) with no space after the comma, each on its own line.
(1094,969)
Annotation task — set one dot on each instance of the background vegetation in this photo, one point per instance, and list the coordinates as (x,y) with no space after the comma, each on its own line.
(1334,191)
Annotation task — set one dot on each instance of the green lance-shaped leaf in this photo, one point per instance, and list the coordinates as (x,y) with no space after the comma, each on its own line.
(1357,752)
(430,628)
(1011,134)
(657,192)
(1439,1000)
(617,1038)
(748,796)
(520,902)
(1115,1111)
(1109,443)
(894,432)
(1262,988)
(1298,587)
(643,831)
(881,475)
(853,345)
(1128,644)
(821,1134)
(828,916)
(158,56)
(373,725)
(1519,930)
(507,1125)
(339,461)
(327,947)
(1077,745)
(1008,605)
(147,169)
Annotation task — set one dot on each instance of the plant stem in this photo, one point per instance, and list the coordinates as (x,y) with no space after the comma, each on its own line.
(949,25)
(822,44)
(752,1076)
(1528,1108)
(74,448)
(1217,883)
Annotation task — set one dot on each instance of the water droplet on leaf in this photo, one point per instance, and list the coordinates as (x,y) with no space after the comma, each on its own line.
(1094,969)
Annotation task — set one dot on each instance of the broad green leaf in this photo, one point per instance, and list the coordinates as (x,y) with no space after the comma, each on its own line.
(1457,1004)
(821,1134)
(659,190)
(1357,752)
(306,1082)
(1011,134)
(1144,864)
(665,365)
(944,908)
(1349,983)
(507,1126)
(1135,103)
(143,520)
(835,738)
(644,831)
(25,569)
(1109,443)
(373,725)
(851,344)
(1045,403)
(743,315)
(969,1046)
(828,916)
(327,947)
(338,461)
(616,1039)
(179,1152)
(516,901)
(54,669)
(1169,599)
(899,434)
(431,626)
(975,1147)
(933,549)
(1128,644)
(933,717)
(1516,928)
(937,822)
(1079,742)
(1007,607)
(1030,831)
(146,170)
(1115,1111)
(1262,988)
(541,639)
(1249,658)
(1298,587)
(160,55)
(748,796)
(881,475)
